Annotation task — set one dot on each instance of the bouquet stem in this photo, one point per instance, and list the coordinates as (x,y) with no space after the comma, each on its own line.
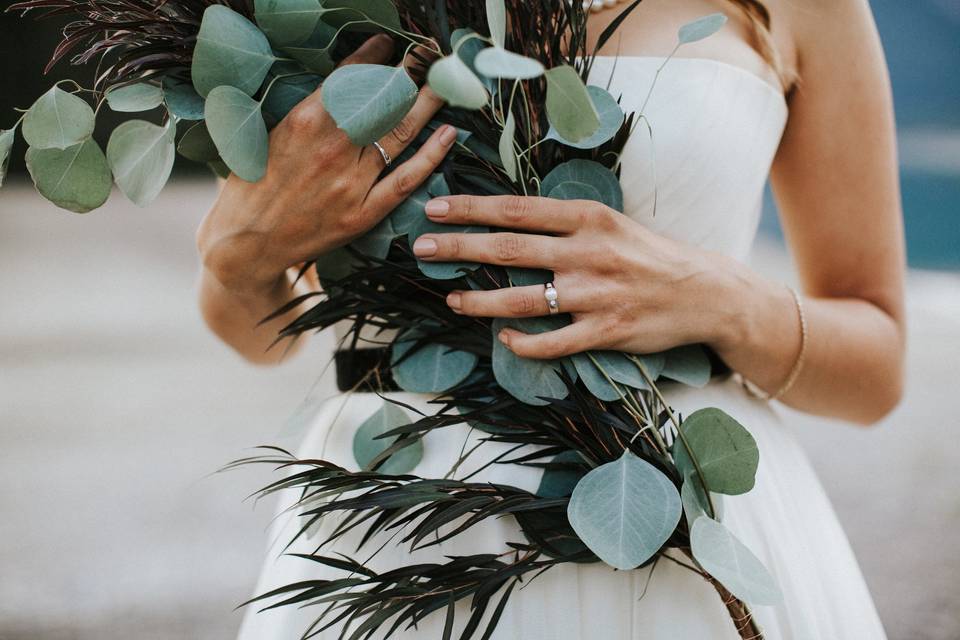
(739,612)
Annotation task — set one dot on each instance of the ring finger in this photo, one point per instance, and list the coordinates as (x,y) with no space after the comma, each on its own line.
(519,302)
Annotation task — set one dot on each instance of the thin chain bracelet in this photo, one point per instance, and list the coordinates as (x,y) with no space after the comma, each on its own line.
(756,391)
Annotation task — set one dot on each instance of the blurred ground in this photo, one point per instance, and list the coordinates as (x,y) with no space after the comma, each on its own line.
(116,404)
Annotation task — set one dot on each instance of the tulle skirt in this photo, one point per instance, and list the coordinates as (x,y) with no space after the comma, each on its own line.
(786,520)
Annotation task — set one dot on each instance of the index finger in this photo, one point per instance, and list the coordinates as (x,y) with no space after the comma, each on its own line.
(530,213)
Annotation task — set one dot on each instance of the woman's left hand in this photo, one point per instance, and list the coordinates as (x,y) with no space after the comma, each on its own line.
(626,287)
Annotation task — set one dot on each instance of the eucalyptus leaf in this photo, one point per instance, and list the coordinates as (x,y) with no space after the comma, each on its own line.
(652,362)
(58,120)
(236,125)
(497,21)
(575,191)
(441,270)
(621,368)
(526,379)
(726,452)
(197,145)
(368,101)
(182,99)
(507,154)
(133,98)
(376,13)
(219,168)
(316,53)
(688,364)
(701,28)
(495,62)
(467,45)
(578,172)
(695,500)
(560,479)
(335,265)
(451,79)
(141,156)
(230,51)
(594,379)
(76,178)
(286,93)
(367,446)
(376,242)
(287,22)
(413,210)
(624,511)
(432,368)
(729,561)
(569,107)
(611,119)
(6,146)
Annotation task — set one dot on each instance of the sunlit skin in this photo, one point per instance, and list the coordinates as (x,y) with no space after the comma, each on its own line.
(834,177)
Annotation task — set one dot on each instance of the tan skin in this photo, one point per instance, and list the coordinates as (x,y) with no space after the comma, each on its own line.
(834,176)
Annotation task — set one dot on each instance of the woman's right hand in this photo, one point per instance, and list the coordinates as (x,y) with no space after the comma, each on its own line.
(319,192)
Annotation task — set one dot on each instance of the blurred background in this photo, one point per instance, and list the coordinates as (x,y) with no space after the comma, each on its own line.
(116,405)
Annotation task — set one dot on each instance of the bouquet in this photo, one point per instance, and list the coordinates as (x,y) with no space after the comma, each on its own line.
(626,480)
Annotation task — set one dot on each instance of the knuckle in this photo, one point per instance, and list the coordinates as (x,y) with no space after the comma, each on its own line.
(465,207)
(522,304)
(508,246)
(404,131)
(304,120)
(404,182)
(517,209)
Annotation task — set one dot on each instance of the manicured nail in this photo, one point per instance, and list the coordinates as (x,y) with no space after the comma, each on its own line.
(424,247)
(437,208)
(454,300)
(504,337)
(448,134)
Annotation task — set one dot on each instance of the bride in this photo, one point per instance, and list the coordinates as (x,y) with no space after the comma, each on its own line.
(794,90)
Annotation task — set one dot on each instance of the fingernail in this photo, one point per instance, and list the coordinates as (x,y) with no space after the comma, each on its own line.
(447,135)
(437,208)
(454,300)
(424,247)
(504,337)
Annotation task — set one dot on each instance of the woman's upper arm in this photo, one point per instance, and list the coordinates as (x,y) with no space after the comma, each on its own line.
(835,175)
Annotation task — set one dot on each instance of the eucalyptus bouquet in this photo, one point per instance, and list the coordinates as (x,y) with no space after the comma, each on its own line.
(626,481)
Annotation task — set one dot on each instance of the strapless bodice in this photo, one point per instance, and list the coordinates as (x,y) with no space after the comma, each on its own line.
(715,129)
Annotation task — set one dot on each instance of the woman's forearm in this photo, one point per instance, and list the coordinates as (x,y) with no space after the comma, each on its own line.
(853,362)
(235,316)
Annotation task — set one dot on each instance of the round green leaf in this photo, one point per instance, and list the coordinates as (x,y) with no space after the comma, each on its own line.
(58,120)
(286,93)
(367,446)
(315,54)
(451,79)
(497,21)
(230,51)
(569,107)
(440,270)
(695,500)
(575,191)
(376,242)
(6,146)
(182,99)
(76,178)
(585,172)
(559,479)
(335,265)
(594,379)
(368,100)
(432,368)
(701,28)
(141,157)
(652,362)
(729,561)
(467,45)
(135,97)
(624,511)
(412,210)
(495,62)
(688,364)
(375,13)
(726,452)
(236,125)
(287,22)
(507,154)
(527,380)
(197,145)
(611,119)
(617,366)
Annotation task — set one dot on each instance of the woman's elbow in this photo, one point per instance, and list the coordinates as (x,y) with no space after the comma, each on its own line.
(885,396)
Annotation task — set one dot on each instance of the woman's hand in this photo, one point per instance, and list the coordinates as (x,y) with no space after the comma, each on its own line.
(626,287)
(320,191)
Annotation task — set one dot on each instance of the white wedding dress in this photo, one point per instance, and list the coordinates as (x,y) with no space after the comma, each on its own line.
(716,128)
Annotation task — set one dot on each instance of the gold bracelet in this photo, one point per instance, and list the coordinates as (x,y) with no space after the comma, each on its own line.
(756,391)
